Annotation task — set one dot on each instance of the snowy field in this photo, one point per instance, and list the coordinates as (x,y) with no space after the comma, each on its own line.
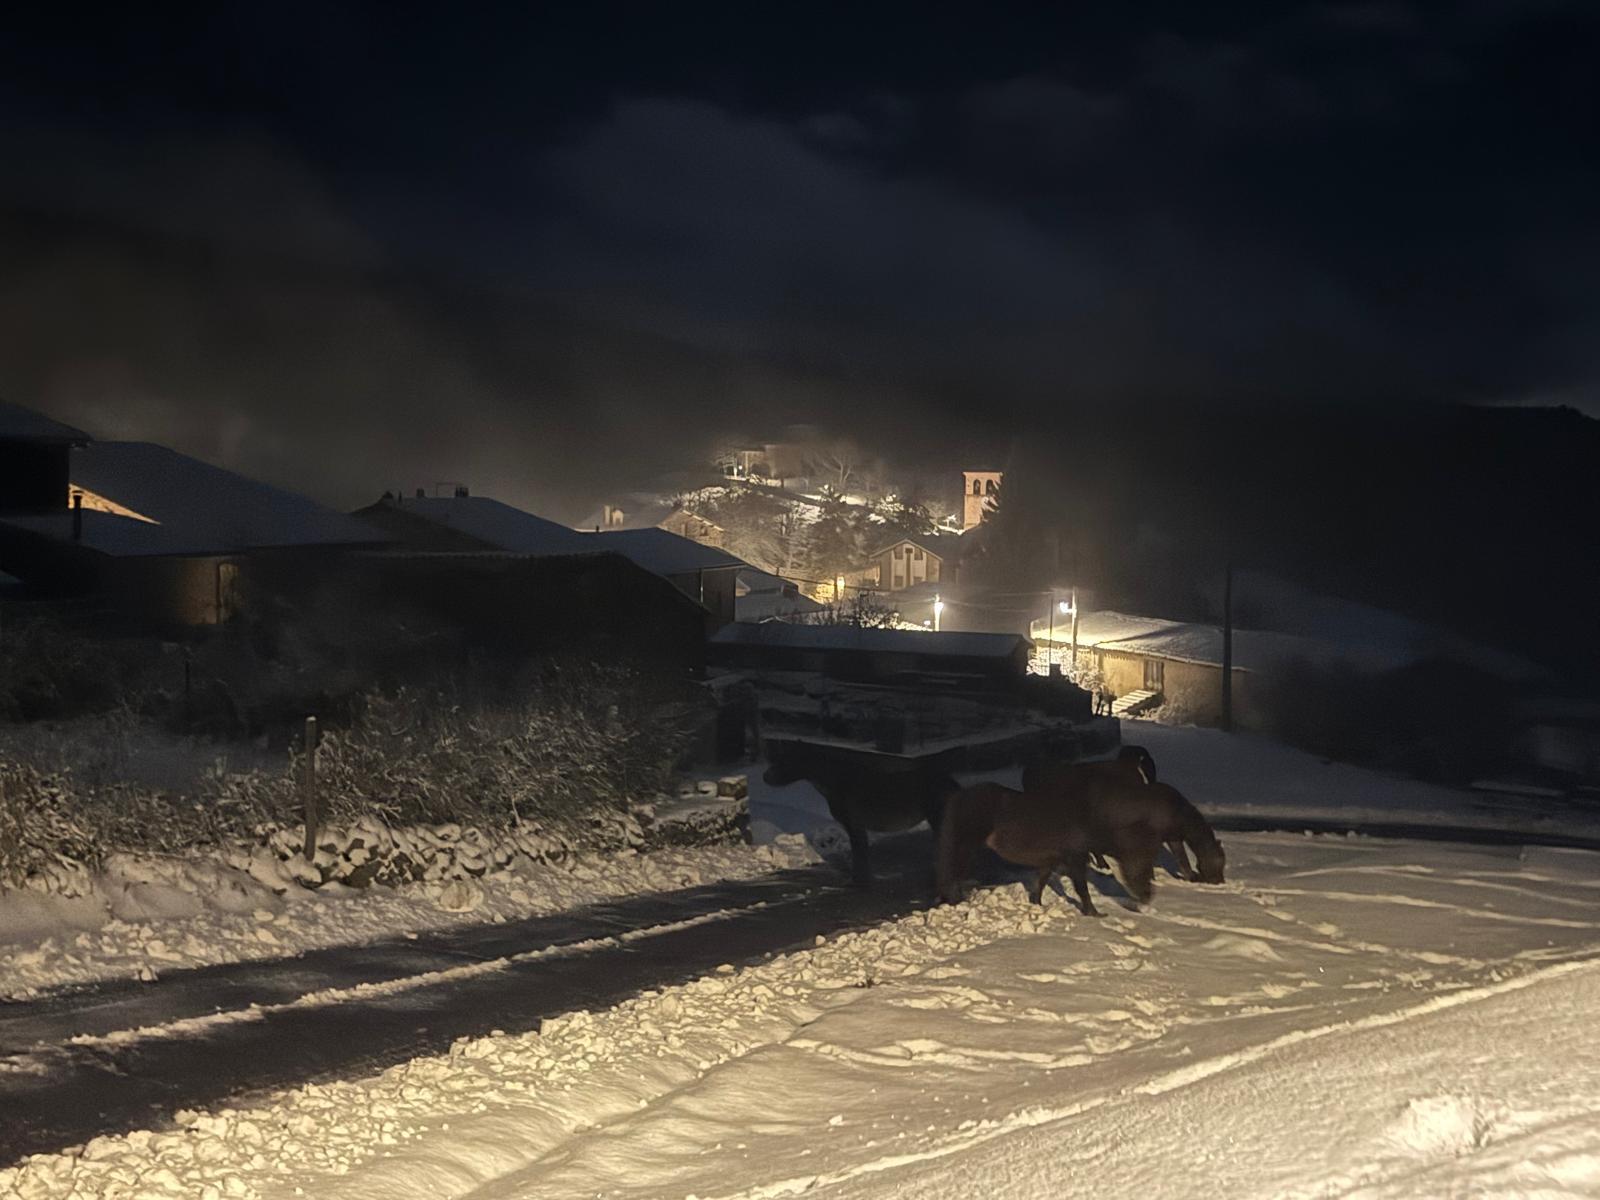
(1347,1016)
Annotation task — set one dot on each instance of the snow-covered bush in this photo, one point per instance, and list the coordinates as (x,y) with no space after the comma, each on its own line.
(566,745)
(42,828)
(551,764)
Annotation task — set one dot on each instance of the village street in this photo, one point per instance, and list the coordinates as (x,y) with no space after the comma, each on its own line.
(116,1056)
(900,1051)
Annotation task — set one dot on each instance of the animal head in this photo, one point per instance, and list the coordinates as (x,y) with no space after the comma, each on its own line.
(1209,861)
(785,764)
(779,774)
(1139,758)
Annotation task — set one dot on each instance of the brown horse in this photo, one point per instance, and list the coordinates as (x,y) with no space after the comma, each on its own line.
(1131,821)
(1068,780)
(863,797)
(1029,830)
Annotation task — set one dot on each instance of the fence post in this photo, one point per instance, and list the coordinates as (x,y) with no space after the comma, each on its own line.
(308,788)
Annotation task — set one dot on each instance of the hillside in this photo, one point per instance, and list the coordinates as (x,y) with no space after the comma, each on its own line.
(1480,520)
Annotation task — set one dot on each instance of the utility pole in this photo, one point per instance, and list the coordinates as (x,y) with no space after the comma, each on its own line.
(1074,632)
(1050,645)
(1227,649)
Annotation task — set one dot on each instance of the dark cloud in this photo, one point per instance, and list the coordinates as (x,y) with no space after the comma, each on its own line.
(395,252)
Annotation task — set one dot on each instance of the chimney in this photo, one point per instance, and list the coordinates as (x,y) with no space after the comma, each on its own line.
(461,491)
(77,516)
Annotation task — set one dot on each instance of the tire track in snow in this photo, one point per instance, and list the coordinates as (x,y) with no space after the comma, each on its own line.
(109,1081)
(197,1026)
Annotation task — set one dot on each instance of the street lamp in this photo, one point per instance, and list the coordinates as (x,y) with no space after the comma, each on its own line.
(938,608)
(1063,607)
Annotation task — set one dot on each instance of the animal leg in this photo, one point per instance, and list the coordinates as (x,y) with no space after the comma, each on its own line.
(1078,872)
(1185,868)
(1036,888)
(860,859)
(952,868)
(1139,871)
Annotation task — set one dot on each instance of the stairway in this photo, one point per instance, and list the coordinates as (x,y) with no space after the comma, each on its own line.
(1131,704)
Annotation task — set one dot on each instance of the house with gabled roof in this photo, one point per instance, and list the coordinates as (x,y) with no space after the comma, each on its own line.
(707,574)
(167,539)
(916,559)
(497,568)
(649,512)
(466,523)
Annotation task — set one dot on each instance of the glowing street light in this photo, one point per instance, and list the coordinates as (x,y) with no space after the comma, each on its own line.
(1064,607)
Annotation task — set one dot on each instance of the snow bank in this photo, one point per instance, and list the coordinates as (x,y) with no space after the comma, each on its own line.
(1250,776)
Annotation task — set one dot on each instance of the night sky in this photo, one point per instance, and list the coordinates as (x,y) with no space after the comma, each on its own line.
(349,249)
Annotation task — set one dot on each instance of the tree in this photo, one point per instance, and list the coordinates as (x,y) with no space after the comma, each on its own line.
(839,460)
(861,611)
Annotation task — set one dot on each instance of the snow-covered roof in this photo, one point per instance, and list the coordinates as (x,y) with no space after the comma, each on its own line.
(945,546)
(1291,608)
(871,641)
(661,552)
(117,536)
(1103,626)
(754,579)
(639,511)
(197,507)
(1256,650)
(497,525)
(25,425)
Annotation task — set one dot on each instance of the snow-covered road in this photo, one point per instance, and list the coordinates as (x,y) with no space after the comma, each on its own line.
(1348,1016)
(1338,1016)
(88,1062)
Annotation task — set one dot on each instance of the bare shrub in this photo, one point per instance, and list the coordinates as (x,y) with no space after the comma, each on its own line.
(41,825)
(568,743)
(564,747)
